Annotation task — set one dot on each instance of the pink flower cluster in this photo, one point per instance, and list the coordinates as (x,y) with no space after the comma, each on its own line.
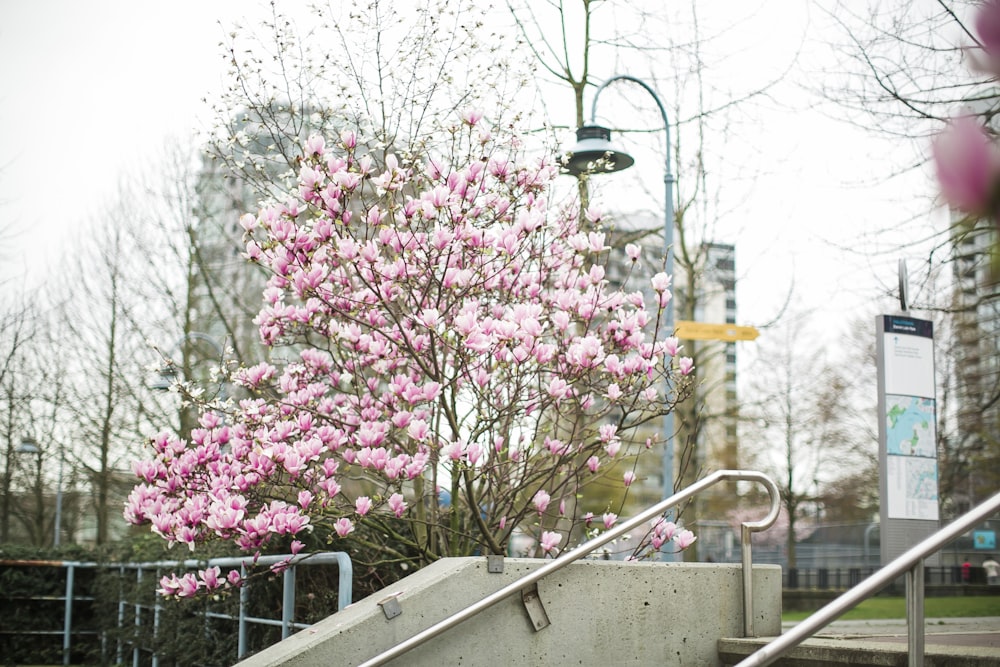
(664,531)
(448,321)
(188,585)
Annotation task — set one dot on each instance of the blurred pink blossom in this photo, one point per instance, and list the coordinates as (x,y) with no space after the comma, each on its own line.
(987,27)
(967,165)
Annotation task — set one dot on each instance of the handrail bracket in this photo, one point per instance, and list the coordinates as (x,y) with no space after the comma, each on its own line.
(533,605)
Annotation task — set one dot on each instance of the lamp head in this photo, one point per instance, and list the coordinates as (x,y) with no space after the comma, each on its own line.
(28,446)
(166,378)
(594,153)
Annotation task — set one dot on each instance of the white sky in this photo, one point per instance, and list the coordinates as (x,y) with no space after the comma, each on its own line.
(89,90)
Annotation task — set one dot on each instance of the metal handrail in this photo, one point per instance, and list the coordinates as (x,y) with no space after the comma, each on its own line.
(910,563)
(599,541)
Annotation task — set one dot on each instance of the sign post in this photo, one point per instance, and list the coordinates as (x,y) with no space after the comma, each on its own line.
(908,470)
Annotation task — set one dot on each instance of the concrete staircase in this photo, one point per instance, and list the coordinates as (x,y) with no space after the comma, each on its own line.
(595,613)
(598,613)
(862,651)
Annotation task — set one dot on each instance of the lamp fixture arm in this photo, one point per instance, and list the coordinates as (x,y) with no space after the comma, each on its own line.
(668,175)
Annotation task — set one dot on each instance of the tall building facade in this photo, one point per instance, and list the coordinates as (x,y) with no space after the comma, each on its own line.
(718,445)
(971,449)
(705,424)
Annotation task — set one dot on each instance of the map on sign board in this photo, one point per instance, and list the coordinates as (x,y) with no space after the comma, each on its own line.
(913,485)
(910,445)
(910,429)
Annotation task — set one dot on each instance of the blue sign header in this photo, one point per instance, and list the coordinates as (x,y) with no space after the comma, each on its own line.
(908,325)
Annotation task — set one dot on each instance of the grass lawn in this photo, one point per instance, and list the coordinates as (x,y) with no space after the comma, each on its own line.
(895,607)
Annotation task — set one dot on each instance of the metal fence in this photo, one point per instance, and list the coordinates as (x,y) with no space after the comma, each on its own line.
(842,578)
(137,605)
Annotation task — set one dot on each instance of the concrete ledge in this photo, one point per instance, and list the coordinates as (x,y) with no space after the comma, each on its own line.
(601,612)
(861,651)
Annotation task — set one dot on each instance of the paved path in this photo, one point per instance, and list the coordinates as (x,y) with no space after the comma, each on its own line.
(983,631)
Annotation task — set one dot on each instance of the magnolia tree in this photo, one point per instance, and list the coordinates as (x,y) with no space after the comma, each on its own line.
(459,367)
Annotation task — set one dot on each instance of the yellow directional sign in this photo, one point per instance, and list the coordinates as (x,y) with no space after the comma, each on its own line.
(706,331)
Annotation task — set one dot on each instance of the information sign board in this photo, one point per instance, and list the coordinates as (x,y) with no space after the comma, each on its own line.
(907,431)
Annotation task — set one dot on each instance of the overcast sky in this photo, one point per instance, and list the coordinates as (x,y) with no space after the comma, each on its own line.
(91,89)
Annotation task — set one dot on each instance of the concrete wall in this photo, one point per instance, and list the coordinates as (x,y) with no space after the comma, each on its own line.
(601,613)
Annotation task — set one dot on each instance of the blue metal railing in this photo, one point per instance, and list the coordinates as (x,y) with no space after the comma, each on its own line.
(242,618)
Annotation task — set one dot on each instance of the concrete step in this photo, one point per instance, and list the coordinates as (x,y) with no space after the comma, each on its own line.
(955,650)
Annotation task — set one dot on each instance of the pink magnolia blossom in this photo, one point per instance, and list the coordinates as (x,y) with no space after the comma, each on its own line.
(550,540)
(628,477)
(397,504)
(541,501)
(472,116)
(612,448)
(609,519)
(967,164)
(343,527)
(607,432)
(210,577)
(348,139)
(315,145)
(686,365)
(685,538)
(661,282)
(185,586)
(169,585)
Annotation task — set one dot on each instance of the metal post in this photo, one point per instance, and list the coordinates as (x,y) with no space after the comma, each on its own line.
(915,613)
(138,616)
(68,613)
(872,527)
(344,583)
(287,601)
(119,655)
(668,242)
(156,623)
(241,642)
(59,499)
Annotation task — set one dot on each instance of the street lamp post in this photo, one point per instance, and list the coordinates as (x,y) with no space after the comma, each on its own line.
(29,446)
(57,529)
(594,153)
